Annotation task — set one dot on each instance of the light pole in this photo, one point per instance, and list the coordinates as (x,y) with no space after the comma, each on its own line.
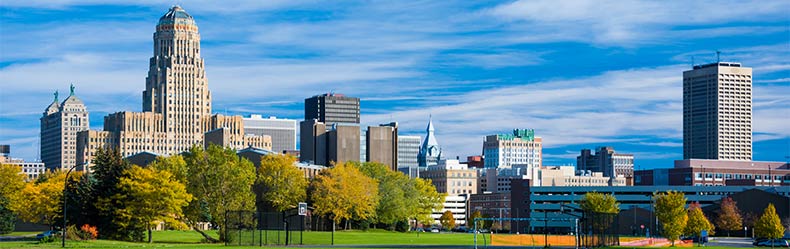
(65,184)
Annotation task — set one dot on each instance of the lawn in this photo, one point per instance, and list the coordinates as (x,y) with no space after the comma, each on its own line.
(191,239)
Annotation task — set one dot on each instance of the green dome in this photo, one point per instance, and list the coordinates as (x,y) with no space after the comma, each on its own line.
(176,16)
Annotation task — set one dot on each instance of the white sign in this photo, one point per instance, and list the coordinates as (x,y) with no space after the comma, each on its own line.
(302,208)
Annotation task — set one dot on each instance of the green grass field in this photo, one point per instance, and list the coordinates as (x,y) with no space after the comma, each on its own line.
(191,239)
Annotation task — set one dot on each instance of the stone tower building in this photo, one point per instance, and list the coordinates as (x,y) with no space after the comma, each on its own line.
(176,102)
(59,127)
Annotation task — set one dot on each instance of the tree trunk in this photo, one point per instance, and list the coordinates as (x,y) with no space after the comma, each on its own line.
(149,233)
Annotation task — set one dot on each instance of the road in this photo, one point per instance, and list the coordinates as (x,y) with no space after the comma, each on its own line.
(731,242)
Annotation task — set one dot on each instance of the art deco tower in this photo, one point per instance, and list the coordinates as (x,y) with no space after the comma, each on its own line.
(176,86)
(176,103)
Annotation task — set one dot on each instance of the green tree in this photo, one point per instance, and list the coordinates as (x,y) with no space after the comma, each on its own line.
(108,168)
(595,202)
(729,218)
(671,212)
(447,220)
(345,193)
(151,195)
(174,164)
(697,222)
(471,220)
(280,185)
(13,182)
(769,225)
(427,200)
(395,193)
(219,181)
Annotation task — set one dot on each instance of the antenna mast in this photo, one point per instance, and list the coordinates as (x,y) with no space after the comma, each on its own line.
(718,56)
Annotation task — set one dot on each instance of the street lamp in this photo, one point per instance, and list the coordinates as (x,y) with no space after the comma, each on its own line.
(65,185)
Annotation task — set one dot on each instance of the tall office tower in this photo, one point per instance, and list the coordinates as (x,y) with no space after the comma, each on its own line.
(519,148)
(176,102)
(322,146)
(430,152)
(408,148)
(282,131)
(332,108)
(381,144)
(717,112)
(59,127)
(608,162)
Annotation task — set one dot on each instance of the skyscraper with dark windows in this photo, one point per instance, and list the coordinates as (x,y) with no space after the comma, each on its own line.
(332,108)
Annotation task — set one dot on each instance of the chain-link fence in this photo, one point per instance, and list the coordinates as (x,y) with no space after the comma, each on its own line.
(599,230)
(251,228)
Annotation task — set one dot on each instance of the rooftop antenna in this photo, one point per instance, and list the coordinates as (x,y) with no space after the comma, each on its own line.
(692,61)
(718,56)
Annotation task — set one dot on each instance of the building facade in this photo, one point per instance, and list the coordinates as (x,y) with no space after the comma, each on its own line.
(555,202)
(605,160)
(700,172)
(176,101)
(457,205)
(494,205)
(408,149)
(520,147)
(717,112)
(381,144)
(282,131)
(31,169)
(60,124)
(322,146)
(430,152)
(332,108)
(452,177)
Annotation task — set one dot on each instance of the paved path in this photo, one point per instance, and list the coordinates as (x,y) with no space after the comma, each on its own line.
(731,242)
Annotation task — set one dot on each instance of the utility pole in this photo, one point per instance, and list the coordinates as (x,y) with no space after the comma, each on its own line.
(65,200)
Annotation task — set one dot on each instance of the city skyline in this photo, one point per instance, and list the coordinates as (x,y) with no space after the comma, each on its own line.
(532,79)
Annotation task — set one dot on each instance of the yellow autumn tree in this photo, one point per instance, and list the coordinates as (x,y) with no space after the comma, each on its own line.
(13,181)
(769,225)
(344,193)
(150,195)
(671,212)
(280,185)
(43,198)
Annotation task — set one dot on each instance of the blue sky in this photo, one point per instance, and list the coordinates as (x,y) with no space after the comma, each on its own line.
(581,73)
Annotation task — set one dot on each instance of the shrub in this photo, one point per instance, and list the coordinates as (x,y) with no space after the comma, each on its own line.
(88,232)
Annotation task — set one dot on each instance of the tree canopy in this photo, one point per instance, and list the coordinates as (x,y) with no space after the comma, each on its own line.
(279,185)
(729,218)
(151,195)
(769,225)
(697,222)
(219,181)
(671,212)
(600,203)
(345,193)
(447,220)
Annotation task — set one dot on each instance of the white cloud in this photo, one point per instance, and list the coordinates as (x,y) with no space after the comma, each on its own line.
(627,22)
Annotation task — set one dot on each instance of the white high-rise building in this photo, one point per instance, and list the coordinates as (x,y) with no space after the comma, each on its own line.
(59,126)
(282,131)
(717,112)
(519,148)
